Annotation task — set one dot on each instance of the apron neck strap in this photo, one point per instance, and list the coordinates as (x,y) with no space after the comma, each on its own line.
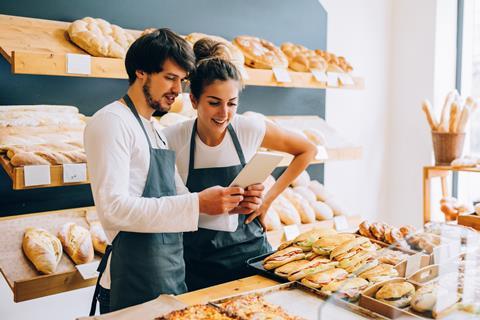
(130,105)
(233,135)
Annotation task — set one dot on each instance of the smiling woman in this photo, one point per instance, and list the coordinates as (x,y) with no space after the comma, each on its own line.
(211,150)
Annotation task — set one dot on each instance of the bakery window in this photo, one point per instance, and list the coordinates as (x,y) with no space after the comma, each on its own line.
(468,82)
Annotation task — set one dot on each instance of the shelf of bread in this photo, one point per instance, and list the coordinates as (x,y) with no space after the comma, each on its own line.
(41,47)
(22,274)
(42,145)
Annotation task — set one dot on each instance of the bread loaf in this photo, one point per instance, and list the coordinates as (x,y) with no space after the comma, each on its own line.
(306,193)
(272,220)
(77,242)
(306,212)
(260,53)
(27,159)
(322,210)
(42,248)
(337,209)
(286,211)
(99,239)
(319,190)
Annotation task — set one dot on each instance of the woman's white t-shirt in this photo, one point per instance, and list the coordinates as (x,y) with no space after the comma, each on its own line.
(250,133)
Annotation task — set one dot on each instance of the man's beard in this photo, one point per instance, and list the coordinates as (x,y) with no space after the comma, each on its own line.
(155,105)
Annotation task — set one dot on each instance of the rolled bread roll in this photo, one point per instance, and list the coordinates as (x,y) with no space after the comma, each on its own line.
(76,242)
(286,211)
(319,190)
(42,248)
(322,210)
(272,220)
(306,212)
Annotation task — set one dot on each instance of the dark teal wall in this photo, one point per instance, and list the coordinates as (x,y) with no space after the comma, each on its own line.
(300,21)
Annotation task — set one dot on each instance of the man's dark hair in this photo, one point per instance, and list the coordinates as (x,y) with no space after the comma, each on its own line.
(149,52)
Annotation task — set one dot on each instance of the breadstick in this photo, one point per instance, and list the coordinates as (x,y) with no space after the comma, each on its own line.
(426,107)
(462,123)
(453,117)
(443,124)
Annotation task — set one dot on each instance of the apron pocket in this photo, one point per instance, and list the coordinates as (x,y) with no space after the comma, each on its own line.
(171,238)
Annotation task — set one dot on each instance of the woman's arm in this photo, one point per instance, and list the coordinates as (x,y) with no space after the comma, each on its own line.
(279,139)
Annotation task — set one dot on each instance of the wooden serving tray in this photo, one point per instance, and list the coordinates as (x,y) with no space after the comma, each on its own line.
(22,277)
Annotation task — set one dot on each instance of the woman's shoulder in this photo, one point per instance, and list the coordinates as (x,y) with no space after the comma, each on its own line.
(179,133)
(248,125)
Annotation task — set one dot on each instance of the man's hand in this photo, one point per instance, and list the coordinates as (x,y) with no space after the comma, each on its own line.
(217,200)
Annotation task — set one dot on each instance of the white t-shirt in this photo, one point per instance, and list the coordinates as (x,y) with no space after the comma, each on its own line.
(118,162)
(250,133)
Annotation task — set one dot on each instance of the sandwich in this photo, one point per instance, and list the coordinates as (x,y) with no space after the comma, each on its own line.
(285,244)
(349,288)
(425,299)
(360,262)
(282,257)
(311,255)
(316,265)
(379,273)
(350,248)
(306,239)
(397,294)
(285,270)
(320,279)
(325,245)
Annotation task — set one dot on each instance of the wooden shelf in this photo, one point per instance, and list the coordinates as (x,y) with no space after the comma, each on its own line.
(337,147)
(20,274)
(18,177)
(37,46)
(434,170)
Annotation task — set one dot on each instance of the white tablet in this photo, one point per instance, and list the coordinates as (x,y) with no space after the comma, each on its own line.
(257,169)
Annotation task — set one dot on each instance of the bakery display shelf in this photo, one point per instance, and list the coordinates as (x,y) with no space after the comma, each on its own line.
(276,237)
(17,175)
(22,277)
(38,46)
(337,147)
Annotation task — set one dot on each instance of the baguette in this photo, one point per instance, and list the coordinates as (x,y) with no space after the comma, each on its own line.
(42,248)
(453,118)
(443,124)
(99,238)
(27,159)
(463,119)
(426,107)
(76,242)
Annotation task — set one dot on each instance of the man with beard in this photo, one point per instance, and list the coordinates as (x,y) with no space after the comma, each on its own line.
(141,201)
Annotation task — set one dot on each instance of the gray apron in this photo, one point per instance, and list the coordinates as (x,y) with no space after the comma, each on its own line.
(213,257)
(145,265)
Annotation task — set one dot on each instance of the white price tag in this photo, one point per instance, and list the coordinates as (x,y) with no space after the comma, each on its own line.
(36,175)
(291,231)
(88,270)
(79,63)
(414,263)
(345,79)
(74,172)
(322,153)
(243,72)
(320,76)
(281,75)
(341,223)
(332,80)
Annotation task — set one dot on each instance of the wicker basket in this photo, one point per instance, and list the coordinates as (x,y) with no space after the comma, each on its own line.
(447,147)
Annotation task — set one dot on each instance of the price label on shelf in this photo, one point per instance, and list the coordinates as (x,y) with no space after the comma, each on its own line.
(345,79)
(320,76)
(88,270)
(282,75)
(322,153)
(243,72)
(36,175)
(341,223)
(414,263)
(291,231)
(79,63)
(332,79)
(74,172)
